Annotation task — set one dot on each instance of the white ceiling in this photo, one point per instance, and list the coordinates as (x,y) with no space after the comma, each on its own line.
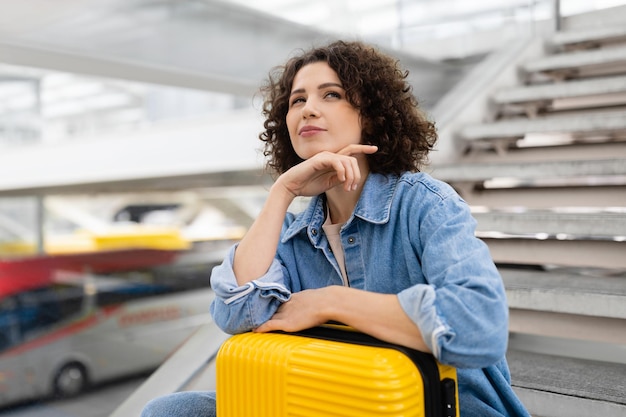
(69,68)
(75,68)
(228,45)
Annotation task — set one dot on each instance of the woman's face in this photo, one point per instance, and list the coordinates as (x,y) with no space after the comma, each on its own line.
(320,118)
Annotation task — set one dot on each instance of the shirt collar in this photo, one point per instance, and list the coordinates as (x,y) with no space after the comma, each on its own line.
(374,206)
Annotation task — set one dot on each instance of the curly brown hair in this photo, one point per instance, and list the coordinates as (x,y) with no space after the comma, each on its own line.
(375,85)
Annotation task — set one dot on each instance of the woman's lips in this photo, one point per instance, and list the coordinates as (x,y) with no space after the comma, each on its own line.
(310,130)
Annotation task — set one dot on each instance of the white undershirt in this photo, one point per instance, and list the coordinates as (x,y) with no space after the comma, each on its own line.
(332,232)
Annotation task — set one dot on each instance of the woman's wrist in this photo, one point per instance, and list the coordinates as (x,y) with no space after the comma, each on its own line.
(331,303)
(281,193)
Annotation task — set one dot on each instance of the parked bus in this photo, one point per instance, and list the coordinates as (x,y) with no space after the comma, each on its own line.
(63,330)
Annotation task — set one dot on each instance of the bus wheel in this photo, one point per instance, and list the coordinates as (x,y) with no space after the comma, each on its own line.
(70,380)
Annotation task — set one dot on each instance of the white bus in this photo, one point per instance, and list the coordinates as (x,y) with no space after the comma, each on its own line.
(80,329)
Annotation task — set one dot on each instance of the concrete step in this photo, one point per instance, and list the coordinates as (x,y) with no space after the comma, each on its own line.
(526,172)
(574,312)
(566,334)
(546,197)
(547,93)
(586,39)
(544,224)
(587,293)
(555,386)
(543,238)
(559,152)
(609,123)
(502,181)
(579,63)
(552,251)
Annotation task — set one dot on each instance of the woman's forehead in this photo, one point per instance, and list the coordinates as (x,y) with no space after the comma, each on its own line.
(316,72)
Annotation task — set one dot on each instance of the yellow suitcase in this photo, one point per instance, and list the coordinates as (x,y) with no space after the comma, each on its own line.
(330,371)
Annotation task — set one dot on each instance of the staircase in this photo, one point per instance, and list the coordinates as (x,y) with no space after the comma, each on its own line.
(545,175)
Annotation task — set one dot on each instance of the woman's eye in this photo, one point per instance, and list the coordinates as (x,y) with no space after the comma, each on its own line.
(333,94)
(297,100)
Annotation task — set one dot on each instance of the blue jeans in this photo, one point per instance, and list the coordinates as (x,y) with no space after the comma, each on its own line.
(182,404)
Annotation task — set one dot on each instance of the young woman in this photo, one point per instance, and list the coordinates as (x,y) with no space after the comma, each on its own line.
(381,247)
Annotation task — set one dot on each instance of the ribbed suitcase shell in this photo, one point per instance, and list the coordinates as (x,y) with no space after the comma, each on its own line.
(276,374)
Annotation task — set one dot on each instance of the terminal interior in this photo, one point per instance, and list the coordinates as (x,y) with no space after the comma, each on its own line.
(131,127)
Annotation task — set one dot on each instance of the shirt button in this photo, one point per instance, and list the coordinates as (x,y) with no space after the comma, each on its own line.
(351,240)
(314,232)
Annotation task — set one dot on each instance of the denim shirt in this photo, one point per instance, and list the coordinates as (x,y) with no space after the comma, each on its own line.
(412,236)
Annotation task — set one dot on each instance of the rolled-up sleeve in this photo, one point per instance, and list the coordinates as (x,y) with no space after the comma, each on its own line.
(462,310)
(240,308)
(419,303)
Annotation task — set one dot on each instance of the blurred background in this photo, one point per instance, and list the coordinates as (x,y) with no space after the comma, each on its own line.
(130,162)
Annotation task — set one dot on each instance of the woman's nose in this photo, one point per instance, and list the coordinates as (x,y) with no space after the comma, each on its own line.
(310,110)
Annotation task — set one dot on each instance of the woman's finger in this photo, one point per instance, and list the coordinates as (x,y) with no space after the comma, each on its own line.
(348,170)
(354,149)
(340,169)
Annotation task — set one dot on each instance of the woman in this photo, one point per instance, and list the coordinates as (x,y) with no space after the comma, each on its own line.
(381,247)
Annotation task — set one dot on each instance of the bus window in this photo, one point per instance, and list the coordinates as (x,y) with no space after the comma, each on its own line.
(113,290)
(42,308)
(122,287)
(9,329)
(184,277)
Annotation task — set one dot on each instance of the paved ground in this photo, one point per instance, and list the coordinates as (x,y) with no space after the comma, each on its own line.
(99,402)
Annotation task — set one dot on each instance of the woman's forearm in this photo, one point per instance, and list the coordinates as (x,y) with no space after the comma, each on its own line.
(257,249)
(379,315)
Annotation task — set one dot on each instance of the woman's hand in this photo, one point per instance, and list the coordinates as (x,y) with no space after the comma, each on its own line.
(326,170)
(303,310)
